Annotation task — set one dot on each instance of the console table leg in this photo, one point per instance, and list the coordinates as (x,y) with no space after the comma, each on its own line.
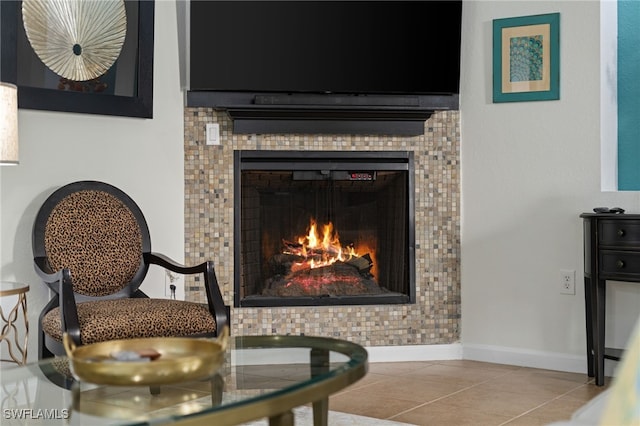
(589,299)
(599,333)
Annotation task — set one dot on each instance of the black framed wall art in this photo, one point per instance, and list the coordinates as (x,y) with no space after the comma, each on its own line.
(105,65)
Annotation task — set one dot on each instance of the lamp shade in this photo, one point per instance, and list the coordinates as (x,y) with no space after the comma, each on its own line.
(8,124)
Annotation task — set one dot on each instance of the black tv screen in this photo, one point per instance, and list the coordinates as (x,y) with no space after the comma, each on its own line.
(342,47)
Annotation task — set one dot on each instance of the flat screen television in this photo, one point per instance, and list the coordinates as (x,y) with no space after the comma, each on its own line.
(326,47)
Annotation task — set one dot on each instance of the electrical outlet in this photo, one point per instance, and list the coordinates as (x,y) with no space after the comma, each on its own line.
(567,281)
(171,279)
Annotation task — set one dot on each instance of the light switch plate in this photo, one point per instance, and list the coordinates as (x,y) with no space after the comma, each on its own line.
(213,134)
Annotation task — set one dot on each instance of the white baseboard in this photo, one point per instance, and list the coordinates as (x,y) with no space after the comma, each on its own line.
(474,352)
(414,353)
(534,359)
(525,358)
(486,353)
(375,354)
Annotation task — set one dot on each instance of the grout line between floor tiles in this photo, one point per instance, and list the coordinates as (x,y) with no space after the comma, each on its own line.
(541,405)
(448,395)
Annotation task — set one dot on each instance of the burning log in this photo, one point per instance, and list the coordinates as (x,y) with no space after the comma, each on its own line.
(280,264)
(285,264)
(337,279)
(318,265)
(291,246)
(362,263)
(315,253)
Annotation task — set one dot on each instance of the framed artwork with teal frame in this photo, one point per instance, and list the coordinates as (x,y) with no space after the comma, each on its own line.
(526,58)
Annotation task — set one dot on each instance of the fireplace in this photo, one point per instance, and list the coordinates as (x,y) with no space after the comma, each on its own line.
(323,228)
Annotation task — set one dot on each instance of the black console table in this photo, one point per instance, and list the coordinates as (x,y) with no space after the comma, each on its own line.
(611,252)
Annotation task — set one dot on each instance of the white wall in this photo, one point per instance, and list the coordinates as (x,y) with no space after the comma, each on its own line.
(142,157)
(609,95)
(528,170)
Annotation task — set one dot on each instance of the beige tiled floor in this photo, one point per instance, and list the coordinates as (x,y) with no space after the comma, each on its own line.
(465,393)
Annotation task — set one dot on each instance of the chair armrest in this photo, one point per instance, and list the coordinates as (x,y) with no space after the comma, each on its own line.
(68,308)
(214,296)
(67,302)
(172,265)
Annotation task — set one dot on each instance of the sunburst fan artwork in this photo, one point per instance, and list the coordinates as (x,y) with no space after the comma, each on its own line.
(77,39)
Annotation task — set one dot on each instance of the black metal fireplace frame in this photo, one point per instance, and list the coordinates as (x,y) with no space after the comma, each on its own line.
(325,160)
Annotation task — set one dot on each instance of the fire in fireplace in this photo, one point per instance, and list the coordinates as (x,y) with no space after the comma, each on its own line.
(323,228)
(318,265)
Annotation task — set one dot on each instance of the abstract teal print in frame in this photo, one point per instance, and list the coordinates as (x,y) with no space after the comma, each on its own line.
(526,58)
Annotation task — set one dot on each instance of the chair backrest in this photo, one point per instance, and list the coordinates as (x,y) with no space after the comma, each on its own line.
(98,232)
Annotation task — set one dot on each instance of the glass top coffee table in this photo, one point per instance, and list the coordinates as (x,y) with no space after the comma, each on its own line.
(262,377)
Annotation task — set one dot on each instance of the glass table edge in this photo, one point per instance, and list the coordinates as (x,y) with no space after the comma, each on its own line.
(289,397)
(264,405)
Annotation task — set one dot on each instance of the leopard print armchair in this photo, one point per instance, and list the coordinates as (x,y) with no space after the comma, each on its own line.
(91,246)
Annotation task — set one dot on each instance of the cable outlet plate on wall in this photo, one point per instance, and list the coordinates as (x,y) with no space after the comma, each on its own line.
(567,281)
(169,279)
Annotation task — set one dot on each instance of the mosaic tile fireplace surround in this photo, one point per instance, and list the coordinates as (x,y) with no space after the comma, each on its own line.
(434,318)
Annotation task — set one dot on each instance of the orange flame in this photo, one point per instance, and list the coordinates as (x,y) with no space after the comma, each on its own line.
(320,249)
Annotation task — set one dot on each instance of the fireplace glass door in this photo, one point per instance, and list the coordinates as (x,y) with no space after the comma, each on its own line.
(323,228)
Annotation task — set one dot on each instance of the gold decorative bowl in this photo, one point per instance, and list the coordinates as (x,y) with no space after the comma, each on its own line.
(181,359)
